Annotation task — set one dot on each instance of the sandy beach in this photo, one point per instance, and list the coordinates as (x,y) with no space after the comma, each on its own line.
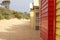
(17,29)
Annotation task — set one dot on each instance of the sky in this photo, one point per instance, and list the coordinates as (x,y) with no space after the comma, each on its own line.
(20,5)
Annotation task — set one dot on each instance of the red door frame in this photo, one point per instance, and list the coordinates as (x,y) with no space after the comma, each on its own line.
(51,20)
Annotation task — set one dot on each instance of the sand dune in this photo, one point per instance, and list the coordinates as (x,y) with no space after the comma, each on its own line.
(15,29)
(7,23)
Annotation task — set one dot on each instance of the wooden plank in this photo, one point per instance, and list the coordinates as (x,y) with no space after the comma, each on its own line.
(58,6)
(58,31)
(58,12)
(57,1)
(58,24)
(58,18)
(57,37)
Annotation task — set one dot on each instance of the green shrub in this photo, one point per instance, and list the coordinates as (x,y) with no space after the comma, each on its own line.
(17,15)
(1,16)
(6,15)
